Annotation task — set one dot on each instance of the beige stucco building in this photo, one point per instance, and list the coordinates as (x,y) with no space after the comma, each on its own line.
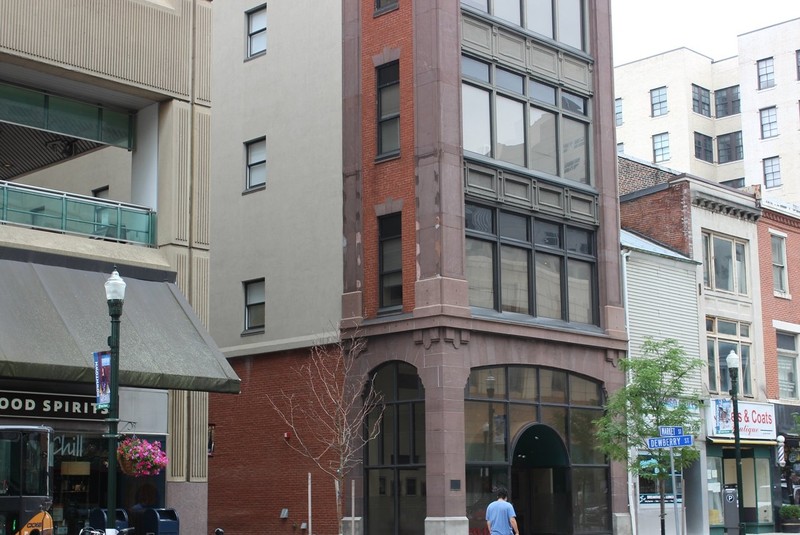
(104,149)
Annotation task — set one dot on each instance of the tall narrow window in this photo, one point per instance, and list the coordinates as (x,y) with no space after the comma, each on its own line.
(779,282)
(766,73)
(257,31)
(769,122)
(772,172)
(724,264)
(390,261)
(797,62)
(661,147)
(703,149)
(729,147)
(389,109)
(787,365)
(658,101)
(256,163)
(722,337)
(254,305)
(701,100)
(727,102)
(618,111)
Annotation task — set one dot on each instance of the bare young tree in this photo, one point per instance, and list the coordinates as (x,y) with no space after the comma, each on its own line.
(338,413)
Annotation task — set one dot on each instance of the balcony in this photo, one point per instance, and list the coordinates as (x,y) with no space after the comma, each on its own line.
(57,211)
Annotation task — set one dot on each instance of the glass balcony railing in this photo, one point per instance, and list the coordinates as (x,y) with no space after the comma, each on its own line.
(69,213)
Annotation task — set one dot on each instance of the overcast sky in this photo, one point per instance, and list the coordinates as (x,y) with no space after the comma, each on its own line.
(643,28)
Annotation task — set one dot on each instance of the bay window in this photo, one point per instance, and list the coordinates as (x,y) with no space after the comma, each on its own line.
(521,264)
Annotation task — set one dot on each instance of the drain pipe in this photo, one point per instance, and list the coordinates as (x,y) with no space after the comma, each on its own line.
(633,488)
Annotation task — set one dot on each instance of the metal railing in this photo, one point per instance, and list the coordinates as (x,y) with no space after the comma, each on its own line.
(58,211)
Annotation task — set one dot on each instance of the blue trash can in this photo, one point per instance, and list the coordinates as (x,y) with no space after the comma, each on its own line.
(98,518)
(160,522)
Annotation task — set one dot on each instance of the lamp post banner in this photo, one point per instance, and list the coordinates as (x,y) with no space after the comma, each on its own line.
(102,378)
(756,420)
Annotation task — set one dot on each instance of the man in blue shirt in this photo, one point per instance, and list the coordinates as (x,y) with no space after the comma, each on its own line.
(500,516)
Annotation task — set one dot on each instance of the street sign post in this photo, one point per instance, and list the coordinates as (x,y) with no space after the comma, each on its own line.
(671,437)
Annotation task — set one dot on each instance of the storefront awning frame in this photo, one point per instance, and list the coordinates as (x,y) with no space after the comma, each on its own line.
(53,318)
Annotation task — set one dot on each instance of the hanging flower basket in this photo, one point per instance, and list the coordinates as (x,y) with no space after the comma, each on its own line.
(138,458)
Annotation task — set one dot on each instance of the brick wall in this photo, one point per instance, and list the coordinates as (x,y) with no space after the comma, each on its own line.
(253,473)
(635,176)
(391,181)
(663,216)
(777,307)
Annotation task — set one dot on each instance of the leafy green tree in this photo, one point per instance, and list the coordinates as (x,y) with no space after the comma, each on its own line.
(655,395)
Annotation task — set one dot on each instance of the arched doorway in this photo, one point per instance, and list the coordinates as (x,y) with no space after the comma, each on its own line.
(540,482)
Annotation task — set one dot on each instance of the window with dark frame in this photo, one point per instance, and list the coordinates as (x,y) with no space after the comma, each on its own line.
(735,183)
(256,163)
(703,147)
(772,172)
(254,305)
(730,147)
(618,111)
(769,122)
(766,73)
(528,265)
(661,147)
(560,20)
(388,109)
(381,5)
(257,31)
(390,261)
(727,101)
(397,455)
(524,121)
(701,100)
(658,101)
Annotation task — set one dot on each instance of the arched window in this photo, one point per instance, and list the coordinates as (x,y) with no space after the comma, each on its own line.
(394,462)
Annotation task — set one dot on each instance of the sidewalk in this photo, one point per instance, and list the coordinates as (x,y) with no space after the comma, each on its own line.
(649,522)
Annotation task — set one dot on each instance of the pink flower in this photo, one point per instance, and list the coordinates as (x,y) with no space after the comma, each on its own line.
(148,458)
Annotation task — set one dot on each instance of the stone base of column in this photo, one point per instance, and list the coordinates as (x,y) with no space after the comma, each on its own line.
(446,525)
(622,524)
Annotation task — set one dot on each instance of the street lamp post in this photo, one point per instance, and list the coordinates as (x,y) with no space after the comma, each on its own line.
(115,294)
(733,369)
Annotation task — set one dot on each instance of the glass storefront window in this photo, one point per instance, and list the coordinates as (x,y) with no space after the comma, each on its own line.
(714,469)
(542,443)
(80,480)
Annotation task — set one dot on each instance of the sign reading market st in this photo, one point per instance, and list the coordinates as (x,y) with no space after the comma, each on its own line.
(49,405)
(756,420)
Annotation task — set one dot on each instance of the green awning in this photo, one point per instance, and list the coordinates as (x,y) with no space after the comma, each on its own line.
(53,318)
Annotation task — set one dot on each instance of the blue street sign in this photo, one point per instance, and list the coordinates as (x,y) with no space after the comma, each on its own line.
(670,442)
(670,431)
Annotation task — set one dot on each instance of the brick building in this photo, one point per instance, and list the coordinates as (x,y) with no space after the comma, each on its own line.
(459,208)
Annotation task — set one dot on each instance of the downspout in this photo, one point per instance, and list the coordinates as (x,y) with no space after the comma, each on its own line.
(190,164)
(633,491)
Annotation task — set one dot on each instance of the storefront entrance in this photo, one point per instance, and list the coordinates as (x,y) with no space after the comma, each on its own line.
(540,482)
